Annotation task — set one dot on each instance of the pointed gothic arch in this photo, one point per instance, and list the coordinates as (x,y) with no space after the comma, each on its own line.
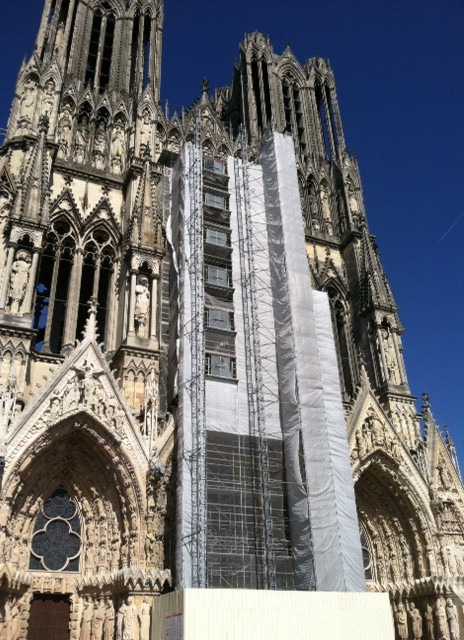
(396,523)
(85,458)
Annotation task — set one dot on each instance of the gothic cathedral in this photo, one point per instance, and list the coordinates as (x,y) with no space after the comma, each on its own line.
(94,306)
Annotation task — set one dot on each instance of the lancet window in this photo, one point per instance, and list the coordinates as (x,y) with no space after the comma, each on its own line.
(100,50)
(340,321)
(98,263)
(293,111)
(60,314)
(142,51)
(53,286)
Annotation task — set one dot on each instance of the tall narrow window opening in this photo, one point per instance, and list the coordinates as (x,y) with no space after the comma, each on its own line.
(53,286)
(107,53)
(323,121)
(93,49)
(255,77)
(134,49)
(332,117)
(267,93)
(146,50)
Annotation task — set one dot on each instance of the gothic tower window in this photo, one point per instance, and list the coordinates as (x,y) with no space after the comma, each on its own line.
(56,541)
(257,94)
(134,49)
(107,52)
(53,285)
(93,48)
(331,116)
(267,93)
(146,50)
(293,111)
(324,122)
(342,341)
(98,261)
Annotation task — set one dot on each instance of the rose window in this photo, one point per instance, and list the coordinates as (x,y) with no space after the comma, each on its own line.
(56,541)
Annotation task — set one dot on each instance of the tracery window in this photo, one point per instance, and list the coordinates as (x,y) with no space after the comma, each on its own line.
(53,286)
(56,541)
(97,269)
(293,110)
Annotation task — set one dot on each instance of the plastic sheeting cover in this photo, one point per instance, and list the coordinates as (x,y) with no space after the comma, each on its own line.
(310,400)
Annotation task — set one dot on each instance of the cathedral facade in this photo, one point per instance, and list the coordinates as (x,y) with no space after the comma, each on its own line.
(147,371)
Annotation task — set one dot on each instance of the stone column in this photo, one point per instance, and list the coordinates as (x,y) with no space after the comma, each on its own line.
(51,303)
(7,276)
(31,284)
(69,331)
(133,284)
(154,304)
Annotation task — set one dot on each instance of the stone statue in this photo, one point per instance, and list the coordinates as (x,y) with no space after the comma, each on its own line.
(144,620)
(453,622)
(72,395)
(98,620)
(367,434)
(48,98)
(117,147)
(442,621)
(129,620)
(82,138)
(352,201)
(142,305)
(19,279)
(445,479)
(376,428)
(326,215)
(429,623)
(64,132)
(27,103)
(145,131)
(86,621)
(99,146)
(120,620)
(360,444)
(401,622)
(416,622)
(108,625)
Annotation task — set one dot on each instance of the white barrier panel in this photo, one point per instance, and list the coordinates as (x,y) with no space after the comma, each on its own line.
(242,614)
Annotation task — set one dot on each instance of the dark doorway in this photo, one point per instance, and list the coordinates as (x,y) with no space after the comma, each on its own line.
(49,618)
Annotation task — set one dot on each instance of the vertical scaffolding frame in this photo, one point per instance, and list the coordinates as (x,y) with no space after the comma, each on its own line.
(197,347)
(254,370)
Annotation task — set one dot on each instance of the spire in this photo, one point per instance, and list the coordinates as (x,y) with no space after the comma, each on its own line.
(90,330)
(33,204)
(145,231)
(375,290)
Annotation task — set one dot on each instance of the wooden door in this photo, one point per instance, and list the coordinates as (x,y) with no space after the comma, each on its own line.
(49,618)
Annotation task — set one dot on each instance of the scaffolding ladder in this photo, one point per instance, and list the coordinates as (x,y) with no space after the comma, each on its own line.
(254,368)
(197,349)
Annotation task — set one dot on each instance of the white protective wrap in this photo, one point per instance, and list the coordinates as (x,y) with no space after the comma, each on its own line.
(181,202)
(310,399)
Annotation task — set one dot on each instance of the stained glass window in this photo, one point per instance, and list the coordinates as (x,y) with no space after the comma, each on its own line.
(56,541)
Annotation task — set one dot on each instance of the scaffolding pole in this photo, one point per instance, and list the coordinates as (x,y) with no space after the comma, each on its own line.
(197,382)
(254,369)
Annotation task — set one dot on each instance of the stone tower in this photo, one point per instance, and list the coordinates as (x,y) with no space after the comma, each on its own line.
(79,325)
(89,334)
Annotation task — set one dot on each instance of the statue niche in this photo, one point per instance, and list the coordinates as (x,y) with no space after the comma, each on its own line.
(19,279)
(142,306)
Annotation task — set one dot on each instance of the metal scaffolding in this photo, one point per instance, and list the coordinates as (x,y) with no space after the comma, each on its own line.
(254,368)
(197,381)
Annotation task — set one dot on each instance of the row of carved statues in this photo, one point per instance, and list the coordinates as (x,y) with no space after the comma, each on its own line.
(439,620)
(91,619)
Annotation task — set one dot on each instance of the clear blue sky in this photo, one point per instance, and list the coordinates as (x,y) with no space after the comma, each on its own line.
(398,67)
